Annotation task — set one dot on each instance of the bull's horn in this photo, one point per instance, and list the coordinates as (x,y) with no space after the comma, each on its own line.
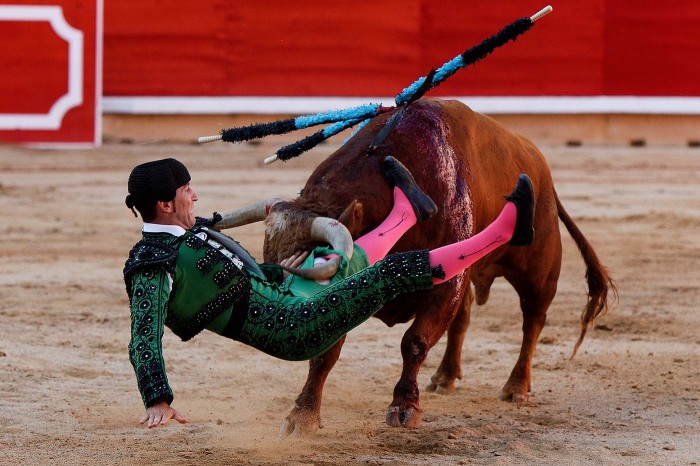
(337,235)
(250,214)
(334,233)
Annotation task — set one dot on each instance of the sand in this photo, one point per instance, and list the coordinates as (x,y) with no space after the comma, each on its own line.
(68,393)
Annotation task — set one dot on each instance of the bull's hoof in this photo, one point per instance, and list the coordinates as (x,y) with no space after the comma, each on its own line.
(441,384)
(398,416)
(513,396)
(399,176)
(300,423)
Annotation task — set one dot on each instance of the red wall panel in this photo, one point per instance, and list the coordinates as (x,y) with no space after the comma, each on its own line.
(652,48)
(351,48)
(23,91)
(41,43)
(560,55)
(346,48)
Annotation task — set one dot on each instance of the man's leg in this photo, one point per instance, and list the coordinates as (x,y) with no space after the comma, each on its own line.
(411,205)
(512,226)
(296,328)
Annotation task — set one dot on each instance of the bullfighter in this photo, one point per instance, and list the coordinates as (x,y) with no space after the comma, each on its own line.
(186,275)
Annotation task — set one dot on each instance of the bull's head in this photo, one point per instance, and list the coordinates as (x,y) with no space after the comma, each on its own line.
(291,228)
(302,230)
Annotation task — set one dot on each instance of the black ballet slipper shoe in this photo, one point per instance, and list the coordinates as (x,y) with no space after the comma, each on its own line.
(523,196)
(399,176)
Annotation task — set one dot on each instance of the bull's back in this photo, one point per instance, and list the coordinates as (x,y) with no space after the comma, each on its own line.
(494,157)
(464,160)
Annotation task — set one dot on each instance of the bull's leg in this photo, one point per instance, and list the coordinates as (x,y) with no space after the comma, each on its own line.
(534,309)
(305,417)
(450,369)
(423,333)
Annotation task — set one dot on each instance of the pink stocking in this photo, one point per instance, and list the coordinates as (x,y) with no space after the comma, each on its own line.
(456,257)
(379,241)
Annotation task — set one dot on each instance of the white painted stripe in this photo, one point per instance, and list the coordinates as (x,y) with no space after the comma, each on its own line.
(490,105)
(219,105)
(99,62)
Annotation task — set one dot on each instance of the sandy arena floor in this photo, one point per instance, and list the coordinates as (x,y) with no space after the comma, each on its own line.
(68,394)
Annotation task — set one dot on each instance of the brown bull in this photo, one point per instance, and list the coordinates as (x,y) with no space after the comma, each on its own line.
(466,162)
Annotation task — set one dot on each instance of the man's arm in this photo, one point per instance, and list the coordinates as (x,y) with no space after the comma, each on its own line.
(150,290)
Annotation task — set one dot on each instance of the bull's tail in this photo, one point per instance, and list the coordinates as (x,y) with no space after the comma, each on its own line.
(597,277)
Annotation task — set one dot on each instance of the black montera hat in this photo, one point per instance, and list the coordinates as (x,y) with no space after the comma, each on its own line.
(156,181)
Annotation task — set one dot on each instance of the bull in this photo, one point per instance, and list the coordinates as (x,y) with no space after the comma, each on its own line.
(465,161)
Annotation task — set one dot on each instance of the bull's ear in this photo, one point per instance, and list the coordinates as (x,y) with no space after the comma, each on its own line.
(353,217)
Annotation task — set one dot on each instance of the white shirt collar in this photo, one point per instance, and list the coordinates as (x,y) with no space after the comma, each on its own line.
(174,230)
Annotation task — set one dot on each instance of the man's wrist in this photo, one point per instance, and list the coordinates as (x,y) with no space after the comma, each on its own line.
(160,399)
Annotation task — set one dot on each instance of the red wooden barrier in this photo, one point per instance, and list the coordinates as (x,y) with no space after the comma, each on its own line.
(50,85)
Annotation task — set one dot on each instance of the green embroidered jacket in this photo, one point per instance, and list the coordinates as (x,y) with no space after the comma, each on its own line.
(186,281)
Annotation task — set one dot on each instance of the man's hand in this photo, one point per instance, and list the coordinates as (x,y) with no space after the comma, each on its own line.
(294,261)
(159,414)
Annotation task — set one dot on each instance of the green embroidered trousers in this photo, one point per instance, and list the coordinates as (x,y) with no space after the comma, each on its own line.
(293,325)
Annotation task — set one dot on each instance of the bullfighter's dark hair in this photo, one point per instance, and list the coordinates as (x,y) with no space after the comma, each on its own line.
(153,181)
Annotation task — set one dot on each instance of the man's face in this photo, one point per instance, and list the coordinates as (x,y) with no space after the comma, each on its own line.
(183,206)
